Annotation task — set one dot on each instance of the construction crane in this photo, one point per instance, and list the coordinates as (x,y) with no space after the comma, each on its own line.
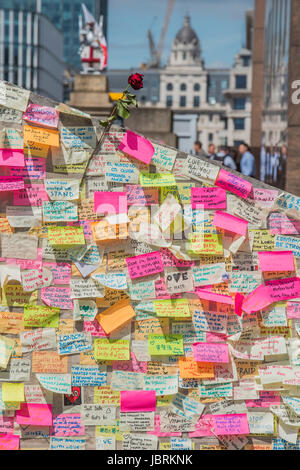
(156,52)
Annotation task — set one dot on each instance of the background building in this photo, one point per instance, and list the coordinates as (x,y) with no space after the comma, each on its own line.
(210,105)
(31,51)
(275,117)
(64,14)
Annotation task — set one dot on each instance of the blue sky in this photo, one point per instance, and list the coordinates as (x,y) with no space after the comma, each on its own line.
(219,24)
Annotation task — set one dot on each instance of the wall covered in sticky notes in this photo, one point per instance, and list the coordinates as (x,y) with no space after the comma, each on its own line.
(152,304)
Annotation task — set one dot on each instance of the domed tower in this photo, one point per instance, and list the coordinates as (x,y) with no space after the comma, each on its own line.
(186,50)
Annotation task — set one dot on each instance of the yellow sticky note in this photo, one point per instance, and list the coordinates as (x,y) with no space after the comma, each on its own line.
(172,308)
(34,149)
(169,345)
(206,243)
(66,235)
(263,240)
(111,350)
(106,396)
(13,392)
(14,296)
(157,179)
(41,136)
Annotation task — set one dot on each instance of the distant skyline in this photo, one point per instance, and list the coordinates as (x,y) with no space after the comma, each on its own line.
(219,24)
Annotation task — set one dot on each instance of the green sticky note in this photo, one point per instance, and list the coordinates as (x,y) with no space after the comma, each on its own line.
(165,345)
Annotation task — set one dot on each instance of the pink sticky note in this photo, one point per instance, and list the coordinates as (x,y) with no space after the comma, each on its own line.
(230,424)
(34,414)
(211,352)
(137,146)
(43,115)
(107,202)
(35,168)
(215,337)
(31,195)
(206,294)
(144,265)
(61,272)
(12,157)
(57,297)
(258,299)
(293,309)
(11,183)
(233,183)
(265,400)
(140,400)
(276,260)
(265,197)
(284,289)
(238,302)
(9,442)
(230,223)
(67,424)
(208,198)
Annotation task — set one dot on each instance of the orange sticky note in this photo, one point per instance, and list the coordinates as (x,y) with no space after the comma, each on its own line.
(116,316)
(190,369)
(42,136)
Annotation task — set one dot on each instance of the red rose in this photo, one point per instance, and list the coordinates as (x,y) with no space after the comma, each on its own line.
(136,81)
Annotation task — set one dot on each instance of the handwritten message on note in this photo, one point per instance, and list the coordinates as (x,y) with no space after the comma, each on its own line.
(234,183)
(144,265)
(41,115)
(211,352)
(208,198)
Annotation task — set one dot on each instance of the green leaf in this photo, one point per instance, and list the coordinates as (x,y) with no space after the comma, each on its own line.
(130,95)
(123,110)
(104,123)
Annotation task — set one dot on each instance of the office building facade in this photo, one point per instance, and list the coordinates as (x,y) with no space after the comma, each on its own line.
(64,15)
(31,51)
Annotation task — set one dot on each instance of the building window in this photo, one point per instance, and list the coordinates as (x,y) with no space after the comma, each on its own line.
(236,143)
(211,117)
(241,81)
(169,101)
(224,84)
(196,101)
(182,101)
(239,103)
(210,137)
(239,124)
(169,86)
(183,87)
(184,55)
(246,60)
(196,87)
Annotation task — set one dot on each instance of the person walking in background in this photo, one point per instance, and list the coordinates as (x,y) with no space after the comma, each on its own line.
(211,151)
(198,151)
(225,158)
(247,163)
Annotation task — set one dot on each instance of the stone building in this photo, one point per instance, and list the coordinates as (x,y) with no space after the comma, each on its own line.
(208,104)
